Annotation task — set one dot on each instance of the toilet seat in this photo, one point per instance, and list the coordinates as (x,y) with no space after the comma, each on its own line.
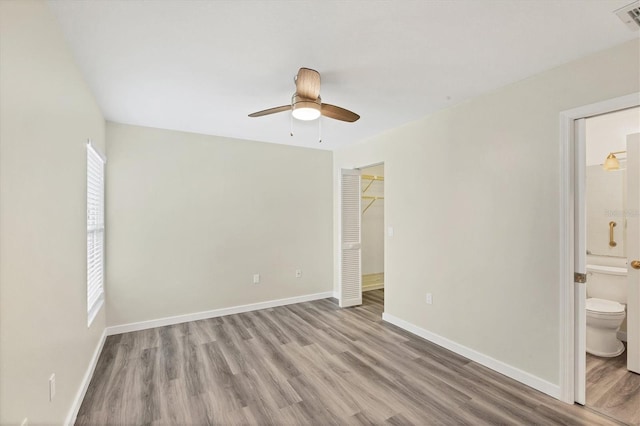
(604,307)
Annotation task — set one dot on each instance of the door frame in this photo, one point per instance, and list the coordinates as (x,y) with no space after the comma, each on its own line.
(339,219)
(569,169)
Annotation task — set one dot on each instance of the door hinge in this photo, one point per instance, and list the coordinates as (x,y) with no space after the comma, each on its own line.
(579,278)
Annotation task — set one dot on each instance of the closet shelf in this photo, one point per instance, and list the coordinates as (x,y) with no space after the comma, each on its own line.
(370,197)
(372,179)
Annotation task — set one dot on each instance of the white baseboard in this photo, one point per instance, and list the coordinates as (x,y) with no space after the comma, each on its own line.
(178,319)
(77,402)
(372,287)
(336,295)
(492,363)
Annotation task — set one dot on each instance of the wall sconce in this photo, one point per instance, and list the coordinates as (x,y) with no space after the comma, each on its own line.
(612,163)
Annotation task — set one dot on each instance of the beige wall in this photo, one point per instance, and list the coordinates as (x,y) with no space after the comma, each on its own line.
(46,116)
(473,195)
(605,202)
(606,190)
(608,133)
(191,218)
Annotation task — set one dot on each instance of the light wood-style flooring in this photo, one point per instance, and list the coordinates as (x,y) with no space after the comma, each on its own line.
(612,389)
(309,363)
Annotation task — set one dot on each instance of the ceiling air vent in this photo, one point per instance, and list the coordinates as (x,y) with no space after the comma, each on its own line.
(630,15)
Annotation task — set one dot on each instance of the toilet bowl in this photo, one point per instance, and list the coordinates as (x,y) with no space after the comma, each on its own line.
(604,318)
(605,305)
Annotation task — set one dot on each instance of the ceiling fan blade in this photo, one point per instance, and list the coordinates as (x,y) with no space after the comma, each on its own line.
(338,113)
(308,83)
(271,111)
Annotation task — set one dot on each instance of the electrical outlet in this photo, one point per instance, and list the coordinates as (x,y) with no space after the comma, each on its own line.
(390,231)
(52,387)
(25,422)
(298,273)
(256,278)
(429,299)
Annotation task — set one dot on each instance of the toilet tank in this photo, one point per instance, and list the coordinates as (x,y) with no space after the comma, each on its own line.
(607,282)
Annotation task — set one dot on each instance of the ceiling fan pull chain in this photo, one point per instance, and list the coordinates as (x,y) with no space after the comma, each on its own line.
(319,129)
(291,124)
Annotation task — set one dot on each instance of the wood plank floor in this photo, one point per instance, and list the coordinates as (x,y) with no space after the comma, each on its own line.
(612,389)
(309,363)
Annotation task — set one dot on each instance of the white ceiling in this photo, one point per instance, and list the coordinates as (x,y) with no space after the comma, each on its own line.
(202,66)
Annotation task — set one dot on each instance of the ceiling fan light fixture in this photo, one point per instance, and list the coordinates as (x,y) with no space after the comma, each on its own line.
(306,109)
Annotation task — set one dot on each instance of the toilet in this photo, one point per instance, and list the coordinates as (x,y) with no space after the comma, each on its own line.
(606,303)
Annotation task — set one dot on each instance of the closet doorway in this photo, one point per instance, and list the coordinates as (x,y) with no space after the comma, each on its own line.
(372,226)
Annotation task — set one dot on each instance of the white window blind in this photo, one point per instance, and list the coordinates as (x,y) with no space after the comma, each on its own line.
(95,232)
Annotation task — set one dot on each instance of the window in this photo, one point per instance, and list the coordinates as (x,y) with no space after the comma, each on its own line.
(95,232)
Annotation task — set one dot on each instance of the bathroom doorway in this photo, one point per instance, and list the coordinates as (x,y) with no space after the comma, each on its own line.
(372,225)
(611,236)
(573,248)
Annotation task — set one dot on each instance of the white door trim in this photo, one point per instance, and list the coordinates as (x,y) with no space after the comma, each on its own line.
(338,218)
(567,180)
(580,260)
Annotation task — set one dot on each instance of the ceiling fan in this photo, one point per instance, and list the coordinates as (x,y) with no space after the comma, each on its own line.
(306,103)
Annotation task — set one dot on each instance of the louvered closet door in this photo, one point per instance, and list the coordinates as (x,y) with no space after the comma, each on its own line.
(351,263)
